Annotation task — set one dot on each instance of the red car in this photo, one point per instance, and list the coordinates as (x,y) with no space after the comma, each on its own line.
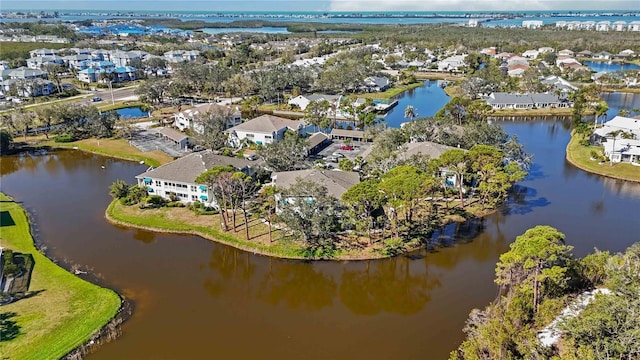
(346,147)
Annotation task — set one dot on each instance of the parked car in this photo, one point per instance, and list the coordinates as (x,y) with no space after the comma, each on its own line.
(346,147)
(332,159)
(338,155)
(251,157)
(96,99)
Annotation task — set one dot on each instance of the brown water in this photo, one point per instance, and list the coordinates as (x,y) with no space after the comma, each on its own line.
(197,299)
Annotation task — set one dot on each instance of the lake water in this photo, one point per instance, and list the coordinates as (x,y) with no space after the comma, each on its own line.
(604,66)
(132,112)
(426,100)
(264,29)
(194,298)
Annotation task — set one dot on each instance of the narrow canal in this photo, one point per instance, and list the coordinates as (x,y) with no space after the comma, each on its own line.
(196,299)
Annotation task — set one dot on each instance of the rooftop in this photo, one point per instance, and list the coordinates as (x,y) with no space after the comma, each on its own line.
(336,182)
(266,124)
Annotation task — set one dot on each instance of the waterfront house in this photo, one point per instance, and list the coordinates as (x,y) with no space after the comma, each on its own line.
(584,53)
(453,64)
(302,101)
(187,119)
(376,83)
(502,101)
(626,145)
(336,182)
(602,55)
(264,129)
(603,26)
(532,24)
(634,26)
(178,178)
(619,26)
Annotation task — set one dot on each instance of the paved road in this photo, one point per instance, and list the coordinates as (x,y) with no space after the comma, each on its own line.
(118,94)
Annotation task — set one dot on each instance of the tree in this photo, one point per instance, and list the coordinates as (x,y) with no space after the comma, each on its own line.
(119,189)
(410,112)
(6,140)
(363,200)
(403,187)
(219,181)
(310,212)
(613,135)
(208,130)
(455,161)
(345,164)
(600,110)
(316,113)
(286,154)
(538,259)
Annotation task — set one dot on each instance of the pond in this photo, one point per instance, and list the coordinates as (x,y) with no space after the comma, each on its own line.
(603,66)
(194,297)
(132,112)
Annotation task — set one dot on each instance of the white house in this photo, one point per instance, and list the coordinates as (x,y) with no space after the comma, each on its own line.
(27,87)
(178,178)
(626,145)
(453,63)
(603,26)
(619,26)
(531,54)
(501,100)
(376,83)
(565,52)
(634,26)
(532,24)
(185,119)
(302,101)
(264,129)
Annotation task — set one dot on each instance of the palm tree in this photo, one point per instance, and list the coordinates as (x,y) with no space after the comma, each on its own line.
(613,134)
(600,109)
(410,112)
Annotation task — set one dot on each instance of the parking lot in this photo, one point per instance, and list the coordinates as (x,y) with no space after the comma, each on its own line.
(334,152)
(149,140)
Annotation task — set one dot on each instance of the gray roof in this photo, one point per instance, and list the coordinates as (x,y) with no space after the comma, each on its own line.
(356,134)
(433,150)
(188,168)
(321,97)
(211,108)
(266,124)
(172,134)
(317,139)
(336,182)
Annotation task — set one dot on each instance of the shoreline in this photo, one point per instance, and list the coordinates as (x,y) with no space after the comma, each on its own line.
(570,157)
(228,239)
(106,332)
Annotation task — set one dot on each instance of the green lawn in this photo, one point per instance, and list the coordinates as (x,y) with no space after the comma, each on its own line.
(580,156)
(391,92)
(64,311)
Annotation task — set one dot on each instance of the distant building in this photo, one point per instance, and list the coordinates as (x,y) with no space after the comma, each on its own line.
(502,101)
(185,119)
(626,146)
(532,24)
(262,130)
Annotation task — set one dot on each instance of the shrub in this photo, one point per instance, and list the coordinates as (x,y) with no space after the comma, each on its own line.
(64,138)
(227,152)
(393,246)
(155,201)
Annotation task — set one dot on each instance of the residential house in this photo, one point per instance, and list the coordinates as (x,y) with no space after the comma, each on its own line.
(626,145)
(4,65)
(23,73)
(317,142)
(584,53)
(546,49)
(602,55)
(43,52)
(532,24)
(588,25)
(186,119)
(619,26)
(79,61)
(376,83)
(634,26)
(178,178)
(559,84)
(302,101)
(500,101)
(39,61)
(517,60)
(603,26)
(565,52)
(453,63)
(336,182)
(178,56)
(27,87)
(264,129)
(531,54)
(352,135)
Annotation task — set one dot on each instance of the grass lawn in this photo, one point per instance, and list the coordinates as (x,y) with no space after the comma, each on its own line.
(63,312)
(533,112)
(391,92)
(118,148)
(580,156)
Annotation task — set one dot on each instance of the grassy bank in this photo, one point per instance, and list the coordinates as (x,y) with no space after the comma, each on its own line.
(580,157)
(391,92)
(63,311)
(117,148)
(184,221)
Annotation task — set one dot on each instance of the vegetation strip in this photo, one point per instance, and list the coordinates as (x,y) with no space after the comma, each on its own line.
(580,156)
(61,311)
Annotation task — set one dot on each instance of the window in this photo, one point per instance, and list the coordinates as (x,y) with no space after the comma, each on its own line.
(193,188)
(194,198)
(268,137)
(250,136)
(158,183)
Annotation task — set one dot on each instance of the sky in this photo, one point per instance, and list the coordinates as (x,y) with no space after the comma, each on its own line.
(322,5)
